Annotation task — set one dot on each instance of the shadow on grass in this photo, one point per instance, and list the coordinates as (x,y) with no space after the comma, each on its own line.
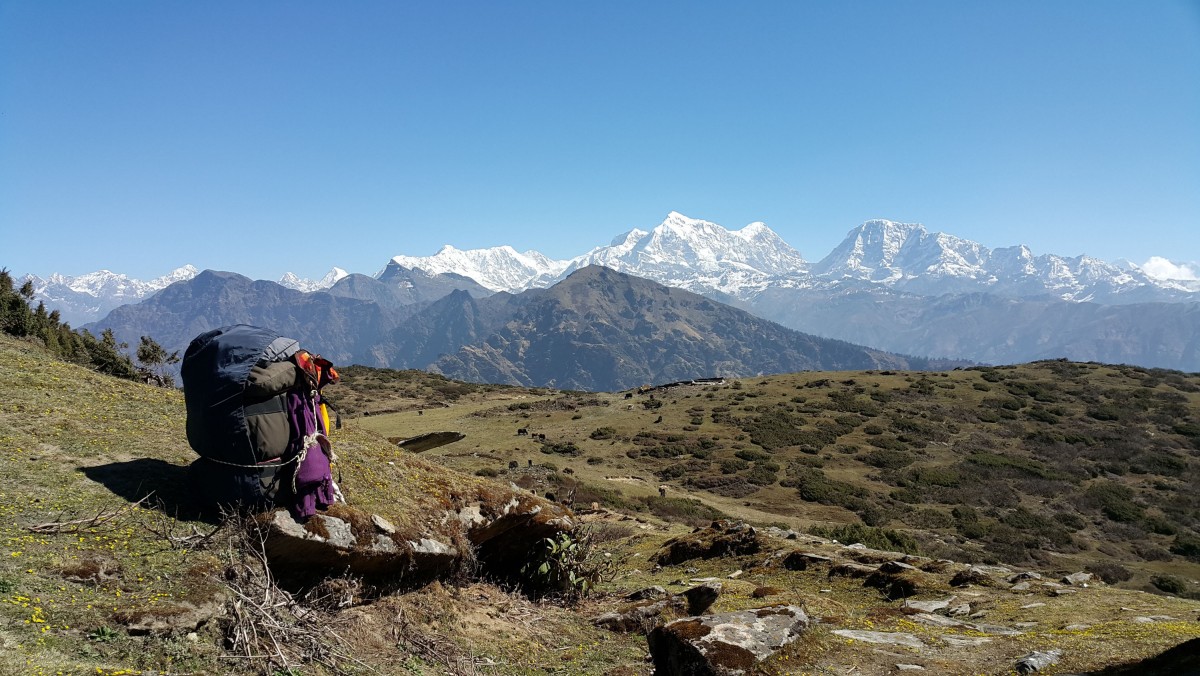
(168,485)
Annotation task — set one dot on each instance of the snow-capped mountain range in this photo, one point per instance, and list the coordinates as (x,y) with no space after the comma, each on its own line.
(88,297)
(741,265)
(293,281)
(704,257)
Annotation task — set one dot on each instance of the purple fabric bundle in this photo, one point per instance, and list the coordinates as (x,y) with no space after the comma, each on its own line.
(313,485)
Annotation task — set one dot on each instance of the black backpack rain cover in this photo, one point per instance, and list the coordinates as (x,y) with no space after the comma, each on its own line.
(215,370)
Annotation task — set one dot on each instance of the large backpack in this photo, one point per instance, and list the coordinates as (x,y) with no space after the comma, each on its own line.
(248,403)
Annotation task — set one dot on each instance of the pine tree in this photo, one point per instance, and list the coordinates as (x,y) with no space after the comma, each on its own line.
(153,360)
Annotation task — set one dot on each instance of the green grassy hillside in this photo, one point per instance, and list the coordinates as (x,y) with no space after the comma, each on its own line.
(92,581)
(1053,464)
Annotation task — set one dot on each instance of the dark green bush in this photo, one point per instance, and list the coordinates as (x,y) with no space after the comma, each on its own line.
(603,433)
(876,538)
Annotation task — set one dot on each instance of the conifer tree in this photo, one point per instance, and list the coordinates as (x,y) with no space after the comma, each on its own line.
(153,360)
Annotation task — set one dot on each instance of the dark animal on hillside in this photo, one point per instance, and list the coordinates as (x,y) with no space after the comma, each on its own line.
(522,432)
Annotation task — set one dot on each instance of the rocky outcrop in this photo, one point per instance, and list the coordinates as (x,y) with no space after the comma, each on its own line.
(499,526)
(346,541)
(802,560)
(726,644)
(505,525)
(722,538)
(645,615)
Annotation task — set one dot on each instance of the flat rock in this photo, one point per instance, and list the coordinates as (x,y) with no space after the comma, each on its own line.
(996,630)
(1152,618)
(1020,587)
(881,637)
(964,641)
(931,606)
(938,620)
(909,667)
(727,644)
(895,567)
(383,524)
(960,610)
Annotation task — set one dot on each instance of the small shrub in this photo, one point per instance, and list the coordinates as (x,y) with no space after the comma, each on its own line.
(1187,546)
(876,538)
(1111,573)
(1173,584)
(603,433)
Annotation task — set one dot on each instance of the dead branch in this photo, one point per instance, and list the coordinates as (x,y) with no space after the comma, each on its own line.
(77,525)
(268,626)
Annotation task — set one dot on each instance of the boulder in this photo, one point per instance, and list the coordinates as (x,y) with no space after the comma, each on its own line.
(722,538)
(1077,579)
(930,606)
(1037,661)
(977,575)
(337,543)
(802,560)
(699,599)
(727,644)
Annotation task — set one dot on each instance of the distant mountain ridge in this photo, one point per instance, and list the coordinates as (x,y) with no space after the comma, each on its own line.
(598,330)
(988,305)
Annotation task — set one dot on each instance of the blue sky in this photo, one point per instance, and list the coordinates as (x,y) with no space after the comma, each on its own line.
(268,137)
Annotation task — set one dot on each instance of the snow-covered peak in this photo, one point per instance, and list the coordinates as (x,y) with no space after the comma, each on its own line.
(697,255)
(871,250)
(293,281)
(87,297)
(109,283)
(500,268)
(177,275)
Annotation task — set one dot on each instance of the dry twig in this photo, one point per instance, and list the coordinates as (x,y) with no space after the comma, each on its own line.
(267,625)
(77,525)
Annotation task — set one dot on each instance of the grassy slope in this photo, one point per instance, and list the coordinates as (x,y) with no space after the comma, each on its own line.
(1061,464)
(73,444)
